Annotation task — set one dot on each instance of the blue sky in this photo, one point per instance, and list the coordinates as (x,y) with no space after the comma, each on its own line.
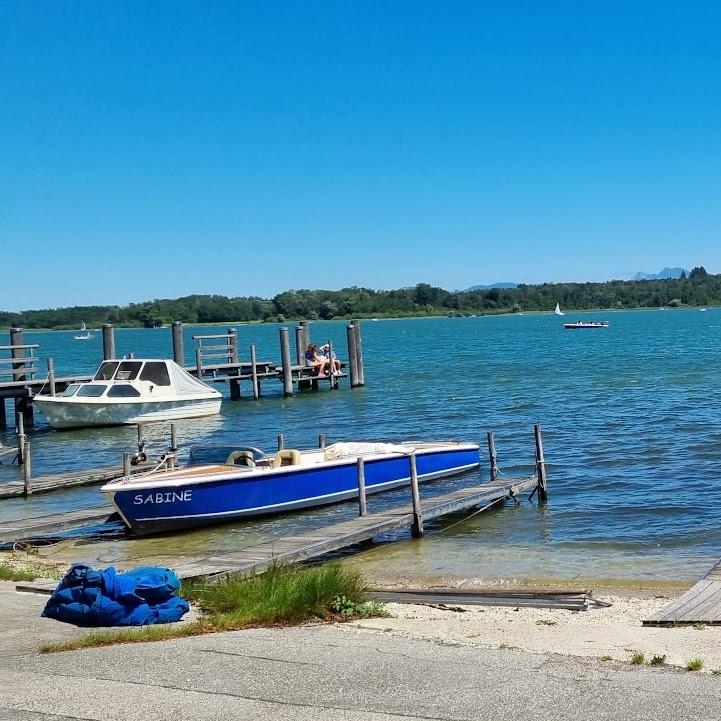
(159,149)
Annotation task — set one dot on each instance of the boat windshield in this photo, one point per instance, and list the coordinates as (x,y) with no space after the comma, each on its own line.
(92,390)
(217,455)
(71,390)
(128,371)
(106,371)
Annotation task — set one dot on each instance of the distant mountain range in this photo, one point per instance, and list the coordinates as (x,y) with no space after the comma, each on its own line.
(493,285)
(661,275)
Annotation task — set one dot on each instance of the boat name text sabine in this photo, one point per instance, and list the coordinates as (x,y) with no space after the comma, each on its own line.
(167,497)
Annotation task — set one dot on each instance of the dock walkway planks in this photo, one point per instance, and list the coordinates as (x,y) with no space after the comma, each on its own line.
(60,481)
(700,604)
(321,541)
(16,530)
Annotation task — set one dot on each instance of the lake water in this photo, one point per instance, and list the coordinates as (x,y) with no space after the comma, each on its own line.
(631,425)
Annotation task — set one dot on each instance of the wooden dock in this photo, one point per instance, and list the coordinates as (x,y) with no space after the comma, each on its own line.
(69,479)
(217,360)
(52,523)
(700,604)
(319,542)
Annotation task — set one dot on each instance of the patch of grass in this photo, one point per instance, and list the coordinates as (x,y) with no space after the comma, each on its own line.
(658,660)
(283,595)
(637,658)
(11,574)
(546,622)
(716,672)
(699,626)
(506,646)
(605,657)
(695,664)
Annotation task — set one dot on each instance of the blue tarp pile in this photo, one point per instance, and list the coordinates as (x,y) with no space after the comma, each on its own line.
(88,597)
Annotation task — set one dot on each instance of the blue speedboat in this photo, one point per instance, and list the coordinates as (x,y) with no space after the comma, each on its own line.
(224,484)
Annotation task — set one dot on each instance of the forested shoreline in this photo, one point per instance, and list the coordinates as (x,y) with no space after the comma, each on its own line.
(698,289)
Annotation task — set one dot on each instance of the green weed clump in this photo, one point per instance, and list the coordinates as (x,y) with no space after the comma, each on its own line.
(546,622)
(605,657)
(11,574)
(283,595)
(695,664)
(658,660)
(699,626)
(638,658)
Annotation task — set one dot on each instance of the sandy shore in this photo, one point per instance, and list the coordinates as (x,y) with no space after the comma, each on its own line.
(613,633)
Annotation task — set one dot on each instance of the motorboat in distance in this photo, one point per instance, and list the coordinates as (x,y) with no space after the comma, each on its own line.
(586,325)
(221,484)
(130,392)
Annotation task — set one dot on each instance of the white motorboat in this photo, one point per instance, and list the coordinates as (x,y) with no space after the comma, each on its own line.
(128,392)
(84,333)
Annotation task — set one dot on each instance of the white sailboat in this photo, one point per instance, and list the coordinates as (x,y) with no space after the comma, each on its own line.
(84,333)
(557,310)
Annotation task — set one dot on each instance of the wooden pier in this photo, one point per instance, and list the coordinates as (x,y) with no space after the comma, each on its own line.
(217,360)
(53,523)
(319,542)
(700,604)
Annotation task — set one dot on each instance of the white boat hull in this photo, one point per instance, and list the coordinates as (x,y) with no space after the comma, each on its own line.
(70,413)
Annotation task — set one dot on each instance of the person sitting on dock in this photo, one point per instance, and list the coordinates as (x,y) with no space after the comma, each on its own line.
(315,360)
(331,357)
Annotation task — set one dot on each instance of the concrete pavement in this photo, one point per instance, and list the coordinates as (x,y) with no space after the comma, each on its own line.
(325,673)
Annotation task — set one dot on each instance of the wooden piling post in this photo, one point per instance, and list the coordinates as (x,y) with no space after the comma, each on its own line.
(178,349)
(540,464)
(285,363)
(16,339)
(51,376)
(254,373)
(20,436)
(299,347)
(198,363)
(362,505)
(234,384)
(331,372)
(321,440)
(306,336)
(141,440)
(126,463)
(3,416)
(359,352)
(27,468)
(492,456)
(108,341)
(173,438)
(281,442)
(233,346)
(417,527)
(352,355)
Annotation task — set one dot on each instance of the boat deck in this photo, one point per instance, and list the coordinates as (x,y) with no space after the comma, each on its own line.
(338,536)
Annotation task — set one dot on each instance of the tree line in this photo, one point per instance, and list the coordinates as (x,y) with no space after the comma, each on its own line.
(699,288)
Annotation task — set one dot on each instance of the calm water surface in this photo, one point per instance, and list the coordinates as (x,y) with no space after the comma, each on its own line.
(631,429)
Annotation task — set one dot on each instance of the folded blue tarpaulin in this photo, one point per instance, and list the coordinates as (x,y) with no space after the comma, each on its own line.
(89,597)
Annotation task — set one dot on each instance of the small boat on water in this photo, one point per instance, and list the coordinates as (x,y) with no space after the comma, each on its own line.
(221,484)
(557,310)
(128,392)
(84,333)
(586,324)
